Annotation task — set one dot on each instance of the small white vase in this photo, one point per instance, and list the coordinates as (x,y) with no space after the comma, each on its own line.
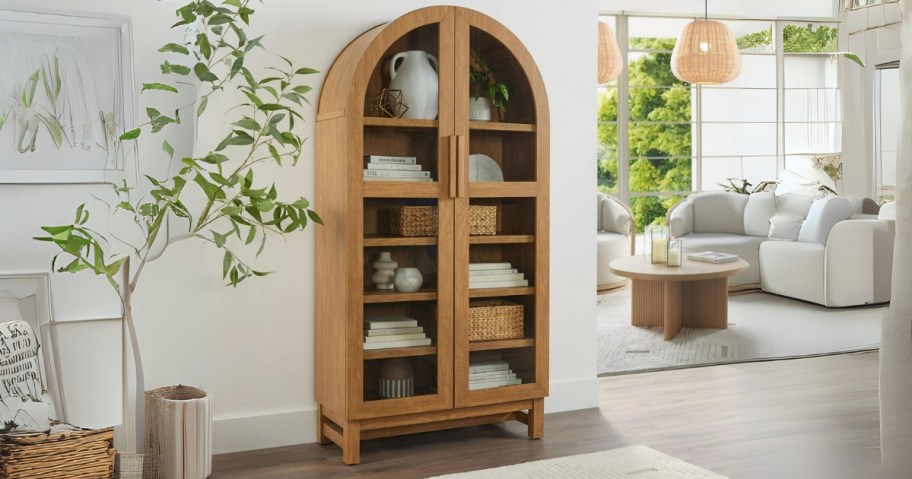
(417,79)
(407,280)
(384,266)
(480,109)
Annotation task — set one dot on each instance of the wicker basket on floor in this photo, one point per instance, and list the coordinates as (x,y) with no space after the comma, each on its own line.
(58,455)
(495,319)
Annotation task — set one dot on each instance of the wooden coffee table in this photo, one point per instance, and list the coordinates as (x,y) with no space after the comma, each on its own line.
(693,295)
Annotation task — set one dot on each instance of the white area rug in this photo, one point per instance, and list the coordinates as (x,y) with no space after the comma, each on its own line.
(635,462)
(761,326)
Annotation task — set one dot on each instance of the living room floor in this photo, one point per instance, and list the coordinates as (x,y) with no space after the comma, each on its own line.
(807,418)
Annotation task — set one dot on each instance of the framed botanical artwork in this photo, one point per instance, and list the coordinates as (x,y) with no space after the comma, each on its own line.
(66,96)
(29,389)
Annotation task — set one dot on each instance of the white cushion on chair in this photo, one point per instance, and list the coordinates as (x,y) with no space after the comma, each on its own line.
(609,247)
(759,209)
(615,218)
(824,213)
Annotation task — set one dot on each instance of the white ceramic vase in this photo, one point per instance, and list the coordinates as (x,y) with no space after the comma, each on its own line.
(417,80)
(385,267)
(479,109)
(407,280)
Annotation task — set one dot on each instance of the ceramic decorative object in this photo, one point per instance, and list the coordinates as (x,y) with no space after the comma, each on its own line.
(484,168)
(407,280)
(397,379)
(178,433)
(416,78)
(384,266)
(479,109)
(656,244)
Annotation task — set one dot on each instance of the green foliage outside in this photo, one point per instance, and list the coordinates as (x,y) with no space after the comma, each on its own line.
(660,152)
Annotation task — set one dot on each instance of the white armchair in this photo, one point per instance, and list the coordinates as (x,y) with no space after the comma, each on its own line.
(615,237)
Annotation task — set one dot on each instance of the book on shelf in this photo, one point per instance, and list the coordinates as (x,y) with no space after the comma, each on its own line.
(393,166)
(389,322)
(405,160)
(488,366)
(515,283)
(713,257)
(382,178)
(496,375)
(482,278)
(494,384)
(393,337)
(396,174)
(486,272)
(488,266)
(393,331)
(406,343)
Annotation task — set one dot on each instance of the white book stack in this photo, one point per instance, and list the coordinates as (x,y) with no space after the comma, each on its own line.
(495,275)
(491,374)
(394,168)
(382,332)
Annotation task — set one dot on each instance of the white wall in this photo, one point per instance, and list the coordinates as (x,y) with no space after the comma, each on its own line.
(251,348)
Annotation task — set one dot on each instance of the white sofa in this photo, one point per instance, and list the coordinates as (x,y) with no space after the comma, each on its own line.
(615,238)
(797,246)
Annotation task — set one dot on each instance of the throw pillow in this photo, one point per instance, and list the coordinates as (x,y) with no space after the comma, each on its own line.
(615,218)
(824,213)
(785,226)
(760,208)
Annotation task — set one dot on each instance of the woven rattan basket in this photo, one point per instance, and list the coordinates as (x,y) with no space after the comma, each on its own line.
(58,455)
(422,220)
(495,319)
(482,220)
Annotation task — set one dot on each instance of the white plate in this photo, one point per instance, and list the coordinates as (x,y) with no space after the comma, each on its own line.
(484,168)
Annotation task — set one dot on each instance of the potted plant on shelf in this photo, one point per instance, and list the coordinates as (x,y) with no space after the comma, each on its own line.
(232,210)
(485,91)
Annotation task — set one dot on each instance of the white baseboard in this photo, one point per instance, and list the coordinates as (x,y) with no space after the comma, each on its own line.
(263,431)
(299,427)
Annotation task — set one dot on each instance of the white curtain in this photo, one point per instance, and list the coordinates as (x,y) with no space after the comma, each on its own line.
(896,343)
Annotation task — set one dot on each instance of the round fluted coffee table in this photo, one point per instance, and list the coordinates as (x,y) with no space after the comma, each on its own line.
(693,295)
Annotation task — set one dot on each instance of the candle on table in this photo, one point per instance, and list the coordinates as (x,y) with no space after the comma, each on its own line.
(659,250)
(674,256)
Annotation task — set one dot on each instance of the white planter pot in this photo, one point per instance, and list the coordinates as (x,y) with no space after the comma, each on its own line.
(479,109)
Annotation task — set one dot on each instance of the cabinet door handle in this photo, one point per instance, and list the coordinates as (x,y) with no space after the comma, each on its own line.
(463,155)
(452,173)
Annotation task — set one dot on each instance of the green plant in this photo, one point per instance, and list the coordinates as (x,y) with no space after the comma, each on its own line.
(235,211)
(743,188)
(482,83)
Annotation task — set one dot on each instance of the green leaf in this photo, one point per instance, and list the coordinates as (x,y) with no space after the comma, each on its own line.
(176,48)
(202,41)
(306,71)
(302,204)
(167,68)
(202,106)
(241,36)
(241,138)
(271,107)
(248,123)
(53,127)
(854,58)
(275,154)
(219,239)
(314,217)
(131,135)
(203,73)
(251,235)
(152,113)
(255,99)
(113,268)
(226,264)
(301,89)
(167,148)
(219,19)
(208,188)
(251,44)
(233,3)
(158,86)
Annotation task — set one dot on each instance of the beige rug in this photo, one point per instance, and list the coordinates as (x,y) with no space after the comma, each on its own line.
(761,326)
(635,462)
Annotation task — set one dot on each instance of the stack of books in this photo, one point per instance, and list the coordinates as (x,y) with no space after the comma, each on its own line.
(495,275)
(394,168)
(491,374)
(382,332)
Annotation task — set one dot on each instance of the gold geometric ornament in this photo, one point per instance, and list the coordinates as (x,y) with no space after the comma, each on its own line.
(391,103)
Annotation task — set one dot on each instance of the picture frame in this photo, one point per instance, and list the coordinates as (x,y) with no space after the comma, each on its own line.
(66,96)
(27,298)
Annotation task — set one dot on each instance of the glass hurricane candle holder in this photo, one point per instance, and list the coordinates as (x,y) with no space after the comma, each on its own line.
(675,252)
(657,244)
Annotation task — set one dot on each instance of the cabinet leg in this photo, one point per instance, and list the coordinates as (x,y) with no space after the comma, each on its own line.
(321,438)
(351,443)
(537,419)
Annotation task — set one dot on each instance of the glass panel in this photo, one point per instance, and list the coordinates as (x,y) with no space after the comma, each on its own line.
(650,69)
(654,33)
(400,377)
(651,210)
(501,367)
(813,104)
(813,137)
(888,125)
(759,168)
(741,139)
(717,170)
(810,37)
(754,37)
(739,105)
(607,153)
(757,71)
(810,71)
(660,175)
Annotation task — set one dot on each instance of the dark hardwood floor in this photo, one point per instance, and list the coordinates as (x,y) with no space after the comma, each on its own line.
(804,418)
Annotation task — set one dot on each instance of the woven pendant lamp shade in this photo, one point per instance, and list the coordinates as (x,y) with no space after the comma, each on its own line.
(609,55)
(706,54)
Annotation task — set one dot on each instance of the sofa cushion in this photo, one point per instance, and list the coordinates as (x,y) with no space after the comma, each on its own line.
(609,247)
(785,226)
(759,209)
(718,212)
(746,247)
(824,213)
(615,218)
(793,203)
(887,211)
(599,198)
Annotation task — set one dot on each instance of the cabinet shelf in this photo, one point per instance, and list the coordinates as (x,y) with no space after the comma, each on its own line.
(501,126)
(378,121)
(492,292)
(401,189)
(509,189)
(400,352)
(502,239)
(501,344)
(395,297)
(372,240)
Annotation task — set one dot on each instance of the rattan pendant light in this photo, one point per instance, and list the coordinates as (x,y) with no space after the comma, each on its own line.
(706,53)
(609,55)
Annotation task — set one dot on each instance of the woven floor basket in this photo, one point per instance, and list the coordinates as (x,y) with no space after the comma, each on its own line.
(495,319)
(87,453)
(422,220)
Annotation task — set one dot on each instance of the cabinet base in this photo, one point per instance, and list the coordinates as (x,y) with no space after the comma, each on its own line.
(348,434)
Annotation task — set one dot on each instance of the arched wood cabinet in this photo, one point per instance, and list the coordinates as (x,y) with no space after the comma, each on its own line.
(450,148)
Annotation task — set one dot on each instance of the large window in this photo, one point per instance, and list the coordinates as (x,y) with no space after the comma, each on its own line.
(661,139)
